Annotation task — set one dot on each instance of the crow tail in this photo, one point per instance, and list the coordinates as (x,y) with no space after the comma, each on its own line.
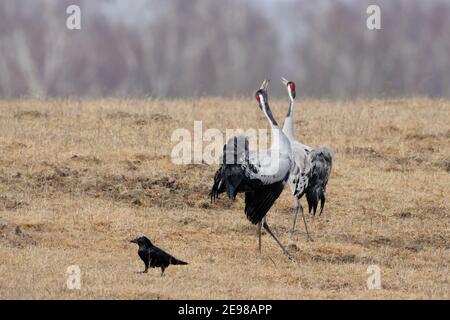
(176,261)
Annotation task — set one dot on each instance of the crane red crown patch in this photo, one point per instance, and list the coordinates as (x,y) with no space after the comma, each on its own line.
(292,86)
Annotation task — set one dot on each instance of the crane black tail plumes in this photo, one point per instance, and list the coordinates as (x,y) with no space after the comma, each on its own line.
(217,187)
(229,176)
(313,195)
(321,164)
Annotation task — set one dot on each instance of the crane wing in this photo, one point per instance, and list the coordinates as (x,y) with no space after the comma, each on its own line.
(258,202)
(267,167)
(300,173)
(298,181)
(244,171)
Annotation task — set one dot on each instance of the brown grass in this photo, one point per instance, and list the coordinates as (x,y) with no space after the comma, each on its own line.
(79,179)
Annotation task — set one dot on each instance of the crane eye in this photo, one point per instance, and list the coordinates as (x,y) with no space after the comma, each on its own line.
(258,98)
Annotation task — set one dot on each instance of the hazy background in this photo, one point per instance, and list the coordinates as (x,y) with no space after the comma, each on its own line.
(178,48)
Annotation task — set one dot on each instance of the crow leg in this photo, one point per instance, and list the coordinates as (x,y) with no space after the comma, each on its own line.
(146,268)
(145,271)
(266,226)
(162,270)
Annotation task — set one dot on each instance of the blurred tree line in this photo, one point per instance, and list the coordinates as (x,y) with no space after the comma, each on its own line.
(178,48)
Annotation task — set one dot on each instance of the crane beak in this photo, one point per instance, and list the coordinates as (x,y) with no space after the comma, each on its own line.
(285,82)
(264,84)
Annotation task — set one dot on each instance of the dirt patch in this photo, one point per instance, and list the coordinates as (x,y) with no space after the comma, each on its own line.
(12,235)
(132,165)
(142,157)
(138,190)
(341,259)
(430,210)
(414,248)
(408,163)
(426,150)
(442,164)
(160,117)
(121,115)
(337,255)
(404,215)
(10,203)
(333,285)
(85,159)
(390,129)
(380,241)
(16,146)
(292,247)
(139,119)
(153,118)
(432,240)
(30,115)
(302,123)
(141,122)
(413,244)
(364,152)
(54,176)
(421,136)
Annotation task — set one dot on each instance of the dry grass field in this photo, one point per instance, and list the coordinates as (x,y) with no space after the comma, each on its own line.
(80,178)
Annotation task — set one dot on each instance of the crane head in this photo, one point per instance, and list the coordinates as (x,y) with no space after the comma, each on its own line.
(261,94)
(290,86)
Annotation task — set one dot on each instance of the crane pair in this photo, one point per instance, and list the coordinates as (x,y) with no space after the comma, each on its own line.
(262,174)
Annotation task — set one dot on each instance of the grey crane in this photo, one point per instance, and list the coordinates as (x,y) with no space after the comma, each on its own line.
(260,175)
(312,167)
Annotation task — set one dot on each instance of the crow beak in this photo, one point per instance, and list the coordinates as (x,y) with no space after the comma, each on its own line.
(134,241)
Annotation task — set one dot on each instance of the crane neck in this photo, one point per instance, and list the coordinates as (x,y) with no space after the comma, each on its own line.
(280,141)
(288,127)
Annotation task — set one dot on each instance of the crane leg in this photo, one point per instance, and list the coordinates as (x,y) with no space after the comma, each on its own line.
(304,221)
(266,226)
(298,206)
(294,215)
(258,232)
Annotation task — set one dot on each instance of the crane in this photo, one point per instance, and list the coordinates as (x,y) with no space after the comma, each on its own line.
(260,175)
(312,167)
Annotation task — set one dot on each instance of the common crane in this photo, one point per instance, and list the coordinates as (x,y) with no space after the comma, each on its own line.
(260,175)
(311,170)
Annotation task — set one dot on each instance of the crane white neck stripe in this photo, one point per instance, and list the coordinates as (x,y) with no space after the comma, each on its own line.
(267,111)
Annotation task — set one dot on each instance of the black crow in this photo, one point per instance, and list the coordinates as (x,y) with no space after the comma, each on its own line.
(153,256)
